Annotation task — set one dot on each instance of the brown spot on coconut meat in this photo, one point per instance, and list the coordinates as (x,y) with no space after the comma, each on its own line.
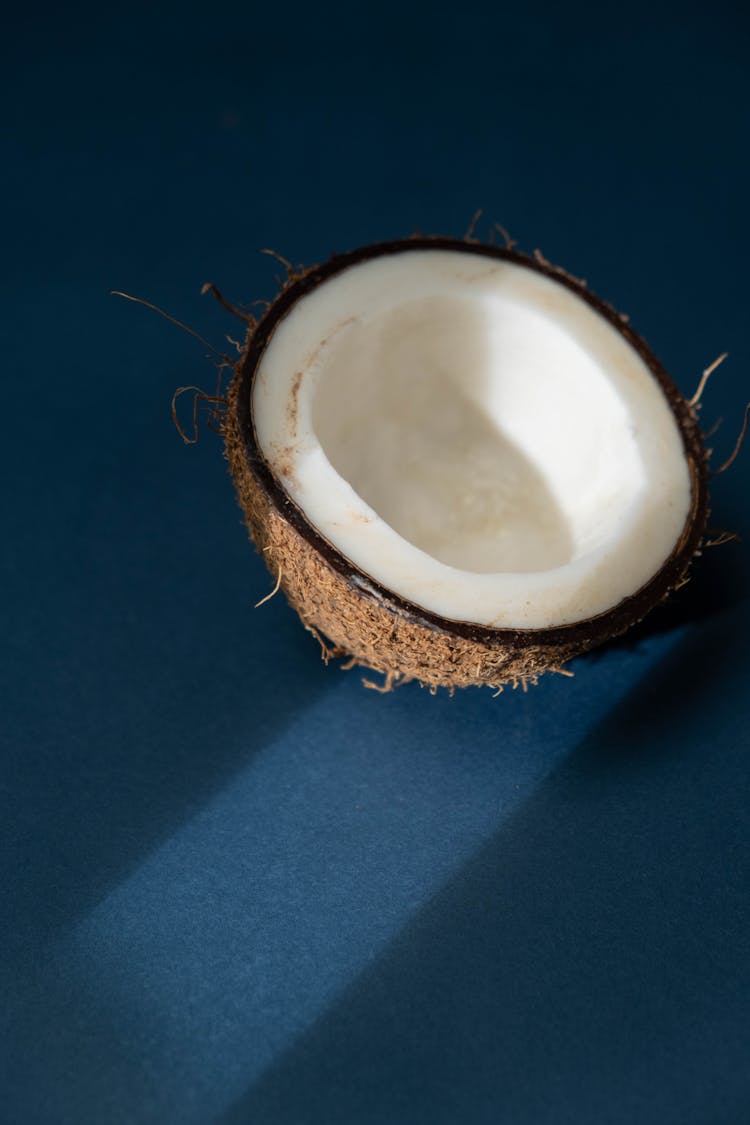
(292,405)
(285,463)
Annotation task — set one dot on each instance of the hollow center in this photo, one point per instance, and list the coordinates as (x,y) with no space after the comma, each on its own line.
(476,429)
(473,436)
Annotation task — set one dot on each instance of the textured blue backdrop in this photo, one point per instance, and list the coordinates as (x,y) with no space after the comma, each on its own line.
(236,886)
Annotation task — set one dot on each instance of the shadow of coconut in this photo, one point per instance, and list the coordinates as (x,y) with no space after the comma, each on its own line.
(587,963)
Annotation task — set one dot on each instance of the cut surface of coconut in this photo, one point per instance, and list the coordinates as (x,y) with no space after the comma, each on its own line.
(474,434)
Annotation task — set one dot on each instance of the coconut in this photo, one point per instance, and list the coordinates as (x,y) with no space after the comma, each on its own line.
(461,466)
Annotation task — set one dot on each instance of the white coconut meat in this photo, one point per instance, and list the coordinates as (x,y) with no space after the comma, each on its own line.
(475,437)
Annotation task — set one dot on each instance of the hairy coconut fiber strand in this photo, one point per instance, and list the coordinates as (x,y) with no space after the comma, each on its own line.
(354,616)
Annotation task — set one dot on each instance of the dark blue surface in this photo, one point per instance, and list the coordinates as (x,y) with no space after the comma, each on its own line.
(238,887)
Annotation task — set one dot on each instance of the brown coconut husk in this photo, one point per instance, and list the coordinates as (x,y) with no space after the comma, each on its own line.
(355,617)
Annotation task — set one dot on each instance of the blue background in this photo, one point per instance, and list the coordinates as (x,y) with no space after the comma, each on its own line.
(237,886)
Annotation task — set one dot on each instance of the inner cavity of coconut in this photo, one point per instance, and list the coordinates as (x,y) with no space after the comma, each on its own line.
(475,437)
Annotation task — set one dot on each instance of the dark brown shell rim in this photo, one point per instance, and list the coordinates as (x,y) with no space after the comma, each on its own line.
(588,631)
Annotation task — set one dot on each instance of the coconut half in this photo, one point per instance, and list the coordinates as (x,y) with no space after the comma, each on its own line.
(462,467)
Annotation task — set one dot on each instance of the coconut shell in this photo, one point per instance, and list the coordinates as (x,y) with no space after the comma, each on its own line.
(353,615)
